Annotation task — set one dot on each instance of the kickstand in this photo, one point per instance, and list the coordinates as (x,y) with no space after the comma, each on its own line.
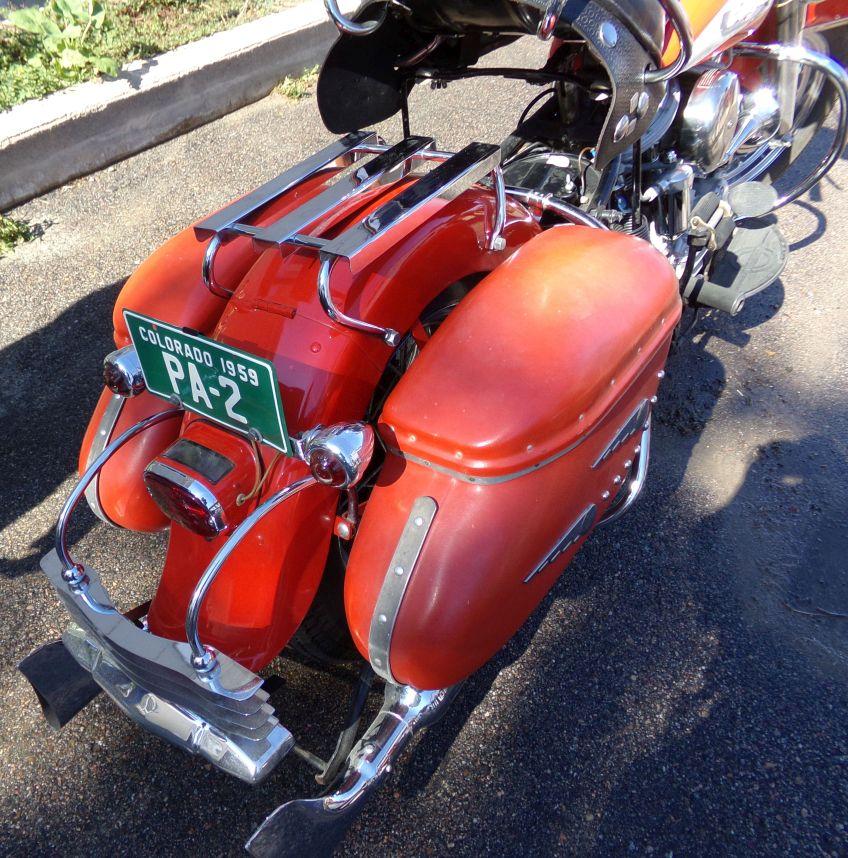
(328,772)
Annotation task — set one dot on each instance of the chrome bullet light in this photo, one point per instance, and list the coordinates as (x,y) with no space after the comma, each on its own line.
(122,372)
(339,455)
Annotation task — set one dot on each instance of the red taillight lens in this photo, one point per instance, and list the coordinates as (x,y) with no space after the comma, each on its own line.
(186,502)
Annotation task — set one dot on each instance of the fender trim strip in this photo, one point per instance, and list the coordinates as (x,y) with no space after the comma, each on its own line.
(101,438)
(397,579)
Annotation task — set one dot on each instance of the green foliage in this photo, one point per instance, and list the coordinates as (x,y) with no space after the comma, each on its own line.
(66,41)
(12,233)
(297,88)
(71,36)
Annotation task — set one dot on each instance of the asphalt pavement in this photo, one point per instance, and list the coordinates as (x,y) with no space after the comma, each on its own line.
(680,692)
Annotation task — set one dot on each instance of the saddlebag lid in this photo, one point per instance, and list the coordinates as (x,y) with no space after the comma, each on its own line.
(536,355)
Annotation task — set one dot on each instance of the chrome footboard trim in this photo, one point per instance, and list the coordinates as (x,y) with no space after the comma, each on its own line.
(222,715)
(316,825)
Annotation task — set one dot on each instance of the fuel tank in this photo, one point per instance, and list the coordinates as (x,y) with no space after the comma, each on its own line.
(507,441)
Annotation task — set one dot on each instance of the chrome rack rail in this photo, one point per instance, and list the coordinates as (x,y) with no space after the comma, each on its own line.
(228,223)
(455,173)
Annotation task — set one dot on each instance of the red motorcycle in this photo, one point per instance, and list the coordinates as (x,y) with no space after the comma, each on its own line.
(336,392)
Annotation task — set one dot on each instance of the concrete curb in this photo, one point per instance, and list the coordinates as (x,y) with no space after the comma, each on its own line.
(47,142)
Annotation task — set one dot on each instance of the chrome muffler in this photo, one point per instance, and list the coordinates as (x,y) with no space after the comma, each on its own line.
(317,825)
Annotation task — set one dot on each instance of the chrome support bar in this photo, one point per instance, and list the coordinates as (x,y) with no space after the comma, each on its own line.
(347,25)
(203,658)
(549,203)
(389,335)
(207,269)
(72,572)
(837,75)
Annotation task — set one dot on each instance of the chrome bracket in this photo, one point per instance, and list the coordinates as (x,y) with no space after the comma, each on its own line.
(395,584)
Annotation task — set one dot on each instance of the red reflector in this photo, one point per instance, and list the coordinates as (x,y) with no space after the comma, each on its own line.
(184,501)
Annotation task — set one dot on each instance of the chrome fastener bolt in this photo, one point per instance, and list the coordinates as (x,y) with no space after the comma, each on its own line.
(605,495)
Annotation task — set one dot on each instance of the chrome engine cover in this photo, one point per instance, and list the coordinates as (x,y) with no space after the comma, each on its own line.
(710,119)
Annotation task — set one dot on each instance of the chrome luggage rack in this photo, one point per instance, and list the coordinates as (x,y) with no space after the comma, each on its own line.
(455,173)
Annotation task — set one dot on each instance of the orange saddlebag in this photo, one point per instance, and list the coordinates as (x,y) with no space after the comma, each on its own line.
(508,440)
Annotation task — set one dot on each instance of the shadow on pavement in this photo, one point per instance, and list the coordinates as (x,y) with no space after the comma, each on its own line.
(50,381)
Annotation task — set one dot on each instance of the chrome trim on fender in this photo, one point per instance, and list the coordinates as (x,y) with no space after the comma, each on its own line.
(634,487)
(638,418)
(98,445)
(578,529)
(397,579)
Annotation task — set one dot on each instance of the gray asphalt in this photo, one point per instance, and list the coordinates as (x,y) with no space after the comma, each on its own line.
(672,696)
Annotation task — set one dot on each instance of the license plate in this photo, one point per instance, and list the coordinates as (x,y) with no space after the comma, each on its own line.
(227,385)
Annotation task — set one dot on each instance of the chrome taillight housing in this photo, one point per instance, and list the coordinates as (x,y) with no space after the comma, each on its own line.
(185,500)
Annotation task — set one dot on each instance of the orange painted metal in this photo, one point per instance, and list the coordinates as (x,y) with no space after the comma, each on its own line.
(500,420)
(827,13)
(327,374)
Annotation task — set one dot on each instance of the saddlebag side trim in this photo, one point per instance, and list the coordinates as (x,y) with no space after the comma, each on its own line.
(397,579)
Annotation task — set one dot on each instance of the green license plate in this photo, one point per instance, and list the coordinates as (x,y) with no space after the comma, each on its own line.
(226,385)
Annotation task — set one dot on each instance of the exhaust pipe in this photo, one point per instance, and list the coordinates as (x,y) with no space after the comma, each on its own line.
(317,825)
(63,687)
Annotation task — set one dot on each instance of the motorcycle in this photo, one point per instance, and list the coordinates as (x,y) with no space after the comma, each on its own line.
(336,391)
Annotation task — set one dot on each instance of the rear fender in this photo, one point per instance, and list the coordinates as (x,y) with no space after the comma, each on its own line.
(167,286)
(503,422)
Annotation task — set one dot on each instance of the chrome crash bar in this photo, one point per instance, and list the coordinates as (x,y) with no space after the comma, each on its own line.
(220,713)
(838,77)
(347,25)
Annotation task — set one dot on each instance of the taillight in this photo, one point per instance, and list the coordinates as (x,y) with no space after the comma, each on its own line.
(185,500)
